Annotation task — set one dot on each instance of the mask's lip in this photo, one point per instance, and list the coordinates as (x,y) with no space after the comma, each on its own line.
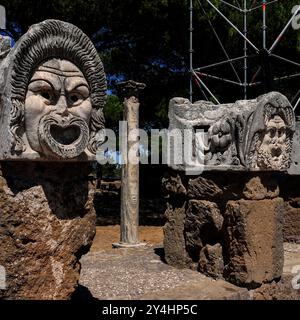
(65,151)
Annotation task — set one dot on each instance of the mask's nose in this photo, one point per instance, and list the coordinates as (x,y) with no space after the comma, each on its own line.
(62,106)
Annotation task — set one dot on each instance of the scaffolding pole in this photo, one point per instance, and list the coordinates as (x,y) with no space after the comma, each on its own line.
(191,50)
(264,53)
(222,63)
(232,25)
(206,88)
(245,50)
(283,31)
(264,27)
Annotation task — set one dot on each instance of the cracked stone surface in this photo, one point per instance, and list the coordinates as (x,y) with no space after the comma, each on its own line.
(141,274)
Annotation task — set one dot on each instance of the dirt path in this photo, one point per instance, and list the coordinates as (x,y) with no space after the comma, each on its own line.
(107,235)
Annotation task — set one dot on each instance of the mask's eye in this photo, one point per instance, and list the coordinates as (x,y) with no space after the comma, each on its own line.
(281,132)
(75,98)
(272,132)
(46,95)
(43,90)
(77,95)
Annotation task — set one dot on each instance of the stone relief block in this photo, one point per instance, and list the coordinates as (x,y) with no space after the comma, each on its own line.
(246,135)
(52,91)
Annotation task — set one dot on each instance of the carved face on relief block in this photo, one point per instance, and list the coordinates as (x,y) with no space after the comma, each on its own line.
(56,95)
(272,152)
(58,110)
(271,133)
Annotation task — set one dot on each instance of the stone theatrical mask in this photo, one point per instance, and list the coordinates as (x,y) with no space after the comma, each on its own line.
(270,136)
(53,96)
(272,152)
(58,110)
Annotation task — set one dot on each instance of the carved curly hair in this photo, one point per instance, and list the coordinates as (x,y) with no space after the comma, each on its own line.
(55,39)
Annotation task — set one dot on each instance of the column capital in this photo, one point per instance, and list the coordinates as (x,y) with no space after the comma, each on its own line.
(130,88)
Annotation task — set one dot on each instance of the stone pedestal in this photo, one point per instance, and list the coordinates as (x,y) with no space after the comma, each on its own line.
(225,225)
(253,241)
(47,222)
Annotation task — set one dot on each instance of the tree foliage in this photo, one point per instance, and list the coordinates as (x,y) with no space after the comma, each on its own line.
(148,41)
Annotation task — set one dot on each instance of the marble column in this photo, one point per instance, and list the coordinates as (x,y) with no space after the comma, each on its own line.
(129,236)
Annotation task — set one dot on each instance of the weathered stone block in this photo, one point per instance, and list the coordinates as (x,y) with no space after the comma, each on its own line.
(203,223)
(174,241)
(261,187)
(253,241)
(47,222)
(291,228)
(255,135)
(188,228)
(211,261)
(202,188)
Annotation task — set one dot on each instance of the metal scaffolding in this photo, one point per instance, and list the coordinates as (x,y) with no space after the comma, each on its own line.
(196,74)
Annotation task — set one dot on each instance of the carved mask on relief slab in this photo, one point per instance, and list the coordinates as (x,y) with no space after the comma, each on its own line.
(271,133)
(53,96)
(272,152)
(58,110)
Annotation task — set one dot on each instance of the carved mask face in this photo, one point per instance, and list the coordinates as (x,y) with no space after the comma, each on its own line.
(272,152)
(57,110)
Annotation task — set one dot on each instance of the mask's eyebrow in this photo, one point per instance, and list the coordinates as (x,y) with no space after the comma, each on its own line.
(40,83)
(53,80)
(74,83)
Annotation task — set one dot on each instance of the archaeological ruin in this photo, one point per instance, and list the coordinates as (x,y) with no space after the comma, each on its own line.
(52,90)
(228,221)
(231,188)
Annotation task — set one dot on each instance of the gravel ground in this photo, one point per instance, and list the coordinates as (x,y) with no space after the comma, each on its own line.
(141,274)
(126,274)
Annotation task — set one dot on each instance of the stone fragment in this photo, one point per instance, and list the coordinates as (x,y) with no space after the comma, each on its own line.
(253,247)
(248,135)
(173,186)
(282,290)
(174,241)
(211,261)
(203,223)
(261,187)
(203,188)
(4,46)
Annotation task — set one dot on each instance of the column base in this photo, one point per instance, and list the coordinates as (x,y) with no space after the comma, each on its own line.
(120,245)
